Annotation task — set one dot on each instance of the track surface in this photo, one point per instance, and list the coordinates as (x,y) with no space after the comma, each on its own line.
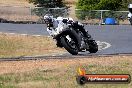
(119,36)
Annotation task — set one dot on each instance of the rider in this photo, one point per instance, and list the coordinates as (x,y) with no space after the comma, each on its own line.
(54,23)
(130,13)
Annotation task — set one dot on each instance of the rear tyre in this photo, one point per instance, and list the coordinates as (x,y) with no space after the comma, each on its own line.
(93,47)
(73,45)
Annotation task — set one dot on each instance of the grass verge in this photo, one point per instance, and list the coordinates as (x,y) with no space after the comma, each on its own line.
(19,45)
(14,2)
(56,73)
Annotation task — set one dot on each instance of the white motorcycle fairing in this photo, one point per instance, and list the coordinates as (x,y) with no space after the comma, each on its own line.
(58,27)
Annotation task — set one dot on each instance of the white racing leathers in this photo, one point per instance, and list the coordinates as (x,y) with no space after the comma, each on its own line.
(51,30)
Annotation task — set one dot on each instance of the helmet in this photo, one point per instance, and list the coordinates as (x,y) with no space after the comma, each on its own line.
(48,18)
(130,8)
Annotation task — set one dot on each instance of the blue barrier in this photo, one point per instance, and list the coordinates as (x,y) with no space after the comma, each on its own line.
(110,21)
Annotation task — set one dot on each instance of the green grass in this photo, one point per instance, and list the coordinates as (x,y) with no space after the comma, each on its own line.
(64,77)
(16,45)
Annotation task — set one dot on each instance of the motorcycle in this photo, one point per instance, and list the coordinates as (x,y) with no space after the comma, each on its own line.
(69,35)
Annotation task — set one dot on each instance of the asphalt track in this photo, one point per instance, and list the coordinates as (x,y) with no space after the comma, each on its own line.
(118,36)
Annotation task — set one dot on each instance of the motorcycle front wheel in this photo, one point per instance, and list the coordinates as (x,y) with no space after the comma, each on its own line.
(71,42)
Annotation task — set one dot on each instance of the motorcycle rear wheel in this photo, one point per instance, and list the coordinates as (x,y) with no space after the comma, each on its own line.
(93,47)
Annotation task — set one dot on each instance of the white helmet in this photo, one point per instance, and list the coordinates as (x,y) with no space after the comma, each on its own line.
(48,18)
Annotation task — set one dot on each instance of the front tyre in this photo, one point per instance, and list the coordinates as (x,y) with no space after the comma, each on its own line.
(93,47)
(71,44)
